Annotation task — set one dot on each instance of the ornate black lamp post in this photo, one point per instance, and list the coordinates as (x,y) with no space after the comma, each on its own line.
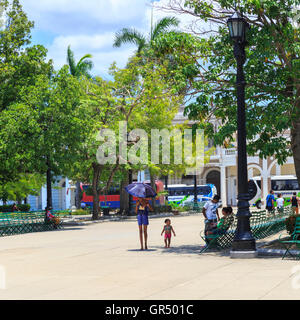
(166,185)
(244,243)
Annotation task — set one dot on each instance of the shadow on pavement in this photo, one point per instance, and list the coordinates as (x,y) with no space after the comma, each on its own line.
(185,249)
(65,228)
(148,250)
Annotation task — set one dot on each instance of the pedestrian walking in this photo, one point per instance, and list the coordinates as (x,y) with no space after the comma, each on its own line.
(167,230)
(143,192)
(295,203)
(280,202)
(270,201)
(142,210)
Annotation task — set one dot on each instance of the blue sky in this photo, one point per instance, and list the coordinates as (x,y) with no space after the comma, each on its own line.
(89,27)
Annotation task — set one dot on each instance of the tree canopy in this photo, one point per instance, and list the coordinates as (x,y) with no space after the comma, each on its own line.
(131,35)
(206,70)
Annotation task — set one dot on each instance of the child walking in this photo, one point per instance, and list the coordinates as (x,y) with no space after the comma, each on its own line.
(168,229)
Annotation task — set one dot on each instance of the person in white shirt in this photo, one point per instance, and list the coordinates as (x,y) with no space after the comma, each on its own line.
(210,213)
(280,202)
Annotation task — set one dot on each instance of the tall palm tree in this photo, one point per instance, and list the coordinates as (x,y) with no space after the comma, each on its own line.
(83,67)
(130,35)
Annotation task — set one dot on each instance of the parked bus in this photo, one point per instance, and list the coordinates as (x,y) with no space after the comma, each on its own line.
(112,198)
(284,184)
(182,194)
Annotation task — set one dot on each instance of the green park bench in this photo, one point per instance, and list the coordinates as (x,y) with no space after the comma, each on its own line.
(220,240)
(23,222)
(262,226)
(295,239)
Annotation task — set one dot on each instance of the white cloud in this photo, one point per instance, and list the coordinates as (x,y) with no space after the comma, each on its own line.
(89,27)
(103,9)
(71,15)
(100,46)
(89,42)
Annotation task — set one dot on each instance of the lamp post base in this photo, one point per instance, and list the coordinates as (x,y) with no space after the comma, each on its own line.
(243,254)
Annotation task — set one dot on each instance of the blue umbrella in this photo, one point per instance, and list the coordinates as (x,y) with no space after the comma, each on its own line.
(140,190)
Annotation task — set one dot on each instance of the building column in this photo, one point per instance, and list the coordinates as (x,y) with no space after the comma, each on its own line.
(141,176)
(44,197)
(250,173)
(265,176)
(72,197)
(223,186)
(278,169)
(68,195)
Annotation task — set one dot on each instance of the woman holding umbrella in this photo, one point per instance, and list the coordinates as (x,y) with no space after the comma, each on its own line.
(142,191)
(142,209)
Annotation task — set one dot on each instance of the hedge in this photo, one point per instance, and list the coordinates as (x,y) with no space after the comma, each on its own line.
(21,207)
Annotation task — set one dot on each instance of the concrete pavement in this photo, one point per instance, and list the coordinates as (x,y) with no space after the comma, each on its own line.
(102,261)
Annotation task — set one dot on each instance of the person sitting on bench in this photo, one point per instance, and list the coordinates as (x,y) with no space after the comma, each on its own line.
(224,223)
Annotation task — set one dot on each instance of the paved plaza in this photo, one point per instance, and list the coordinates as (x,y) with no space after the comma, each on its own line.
(102,261)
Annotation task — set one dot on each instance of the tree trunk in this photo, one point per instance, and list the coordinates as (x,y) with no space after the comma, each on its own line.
(295,132)
(95,185)
(152,181)
(124,199)
(295,141)
(49,187)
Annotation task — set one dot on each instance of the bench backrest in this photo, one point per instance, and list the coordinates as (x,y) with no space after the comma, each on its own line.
(297,226)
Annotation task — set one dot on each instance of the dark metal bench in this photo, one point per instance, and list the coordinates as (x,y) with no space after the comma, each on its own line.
(18,223)
(262,225)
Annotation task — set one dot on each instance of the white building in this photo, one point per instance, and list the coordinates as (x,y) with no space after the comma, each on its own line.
(222,170)
(62,196)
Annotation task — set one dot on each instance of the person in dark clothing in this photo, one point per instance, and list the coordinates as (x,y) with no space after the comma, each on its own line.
(142,209)
(270,201)
(295,203)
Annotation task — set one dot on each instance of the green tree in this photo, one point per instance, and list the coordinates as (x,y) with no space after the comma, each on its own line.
(41,134)
(272,73)
(101,111)
(20,66)
(23,186)
(138,95)
(20,63)
(82,67)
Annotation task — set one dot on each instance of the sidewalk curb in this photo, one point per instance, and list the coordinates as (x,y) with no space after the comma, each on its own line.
(275,252)
(73,222)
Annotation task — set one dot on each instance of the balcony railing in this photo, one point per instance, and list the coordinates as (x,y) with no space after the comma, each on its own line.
(229,152)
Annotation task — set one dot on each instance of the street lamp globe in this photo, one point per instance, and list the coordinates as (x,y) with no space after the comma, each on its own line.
(237,26)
